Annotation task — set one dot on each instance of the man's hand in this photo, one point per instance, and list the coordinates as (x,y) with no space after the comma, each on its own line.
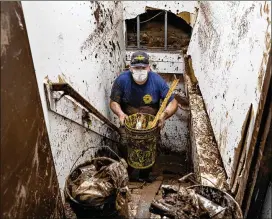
(122,118)
(168,112)
(161,121)
(116,108)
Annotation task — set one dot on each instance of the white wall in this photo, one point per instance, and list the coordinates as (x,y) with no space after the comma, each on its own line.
(229,48)
(81,42)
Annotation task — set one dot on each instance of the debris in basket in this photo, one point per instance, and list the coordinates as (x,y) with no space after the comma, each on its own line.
(181,203)
(141,122)
(98,181)
(121,204)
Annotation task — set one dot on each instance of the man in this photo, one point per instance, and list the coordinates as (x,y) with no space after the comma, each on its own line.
(139,90)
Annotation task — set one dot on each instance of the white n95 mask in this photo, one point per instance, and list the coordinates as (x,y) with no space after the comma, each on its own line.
(139,75)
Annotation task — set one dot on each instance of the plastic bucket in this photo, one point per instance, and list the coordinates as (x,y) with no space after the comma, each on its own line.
(141,143)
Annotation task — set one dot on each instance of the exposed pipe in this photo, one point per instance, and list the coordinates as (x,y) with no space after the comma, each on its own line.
(68,90)
(126,40)
(138,32)
(165,30)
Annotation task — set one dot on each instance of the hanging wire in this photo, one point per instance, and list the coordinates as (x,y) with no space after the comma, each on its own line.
(152,17)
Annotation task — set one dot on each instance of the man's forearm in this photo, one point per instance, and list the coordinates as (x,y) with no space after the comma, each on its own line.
(116,108)
(170,109)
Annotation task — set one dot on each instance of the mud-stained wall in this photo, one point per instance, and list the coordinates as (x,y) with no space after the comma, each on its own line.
(229,49)
(29,185)
(72,145)
(80,43)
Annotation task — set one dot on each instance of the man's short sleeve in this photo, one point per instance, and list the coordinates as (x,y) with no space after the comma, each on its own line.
(116,91)
(164,90)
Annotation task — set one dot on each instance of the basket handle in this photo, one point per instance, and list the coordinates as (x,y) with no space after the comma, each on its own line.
(84,151)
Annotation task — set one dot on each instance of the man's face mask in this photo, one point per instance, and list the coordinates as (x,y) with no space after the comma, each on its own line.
(139,75)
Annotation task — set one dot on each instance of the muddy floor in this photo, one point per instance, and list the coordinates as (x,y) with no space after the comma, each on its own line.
(167,170)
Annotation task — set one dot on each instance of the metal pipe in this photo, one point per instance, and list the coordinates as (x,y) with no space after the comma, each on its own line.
(68,90)
(138,32)
(126,40)
(165,30)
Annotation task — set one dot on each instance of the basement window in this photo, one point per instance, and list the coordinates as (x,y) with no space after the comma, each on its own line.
(159,30)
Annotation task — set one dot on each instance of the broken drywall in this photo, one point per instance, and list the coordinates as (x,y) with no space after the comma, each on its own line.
(185,10)
(134,8)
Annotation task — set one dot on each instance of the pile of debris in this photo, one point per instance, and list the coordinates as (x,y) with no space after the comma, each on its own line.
(197,202)
(97,182)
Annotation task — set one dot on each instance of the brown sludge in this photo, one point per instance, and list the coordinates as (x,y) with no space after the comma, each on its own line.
(182,203)
(93,184)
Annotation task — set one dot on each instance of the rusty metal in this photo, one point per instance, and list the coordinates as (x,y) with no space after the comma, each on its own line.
(29,185)
(68,90)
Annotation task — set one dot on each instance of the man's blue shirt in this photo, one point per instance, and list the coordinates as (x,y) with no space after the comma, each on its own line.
(127,93)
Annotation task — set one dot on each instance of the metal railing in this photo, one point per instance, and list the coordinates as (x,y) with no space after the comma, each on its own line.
(69,91)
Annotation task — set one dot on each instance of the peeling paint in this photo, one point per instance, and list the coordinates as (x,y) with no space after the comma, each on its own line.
(185,16)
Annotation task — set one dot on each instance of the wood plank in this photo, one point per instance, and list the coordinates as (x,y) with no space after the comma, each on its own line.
(148,194)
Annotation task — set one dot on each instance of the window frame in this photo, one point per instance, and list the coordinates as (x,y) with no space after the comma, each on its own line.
(138,44)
